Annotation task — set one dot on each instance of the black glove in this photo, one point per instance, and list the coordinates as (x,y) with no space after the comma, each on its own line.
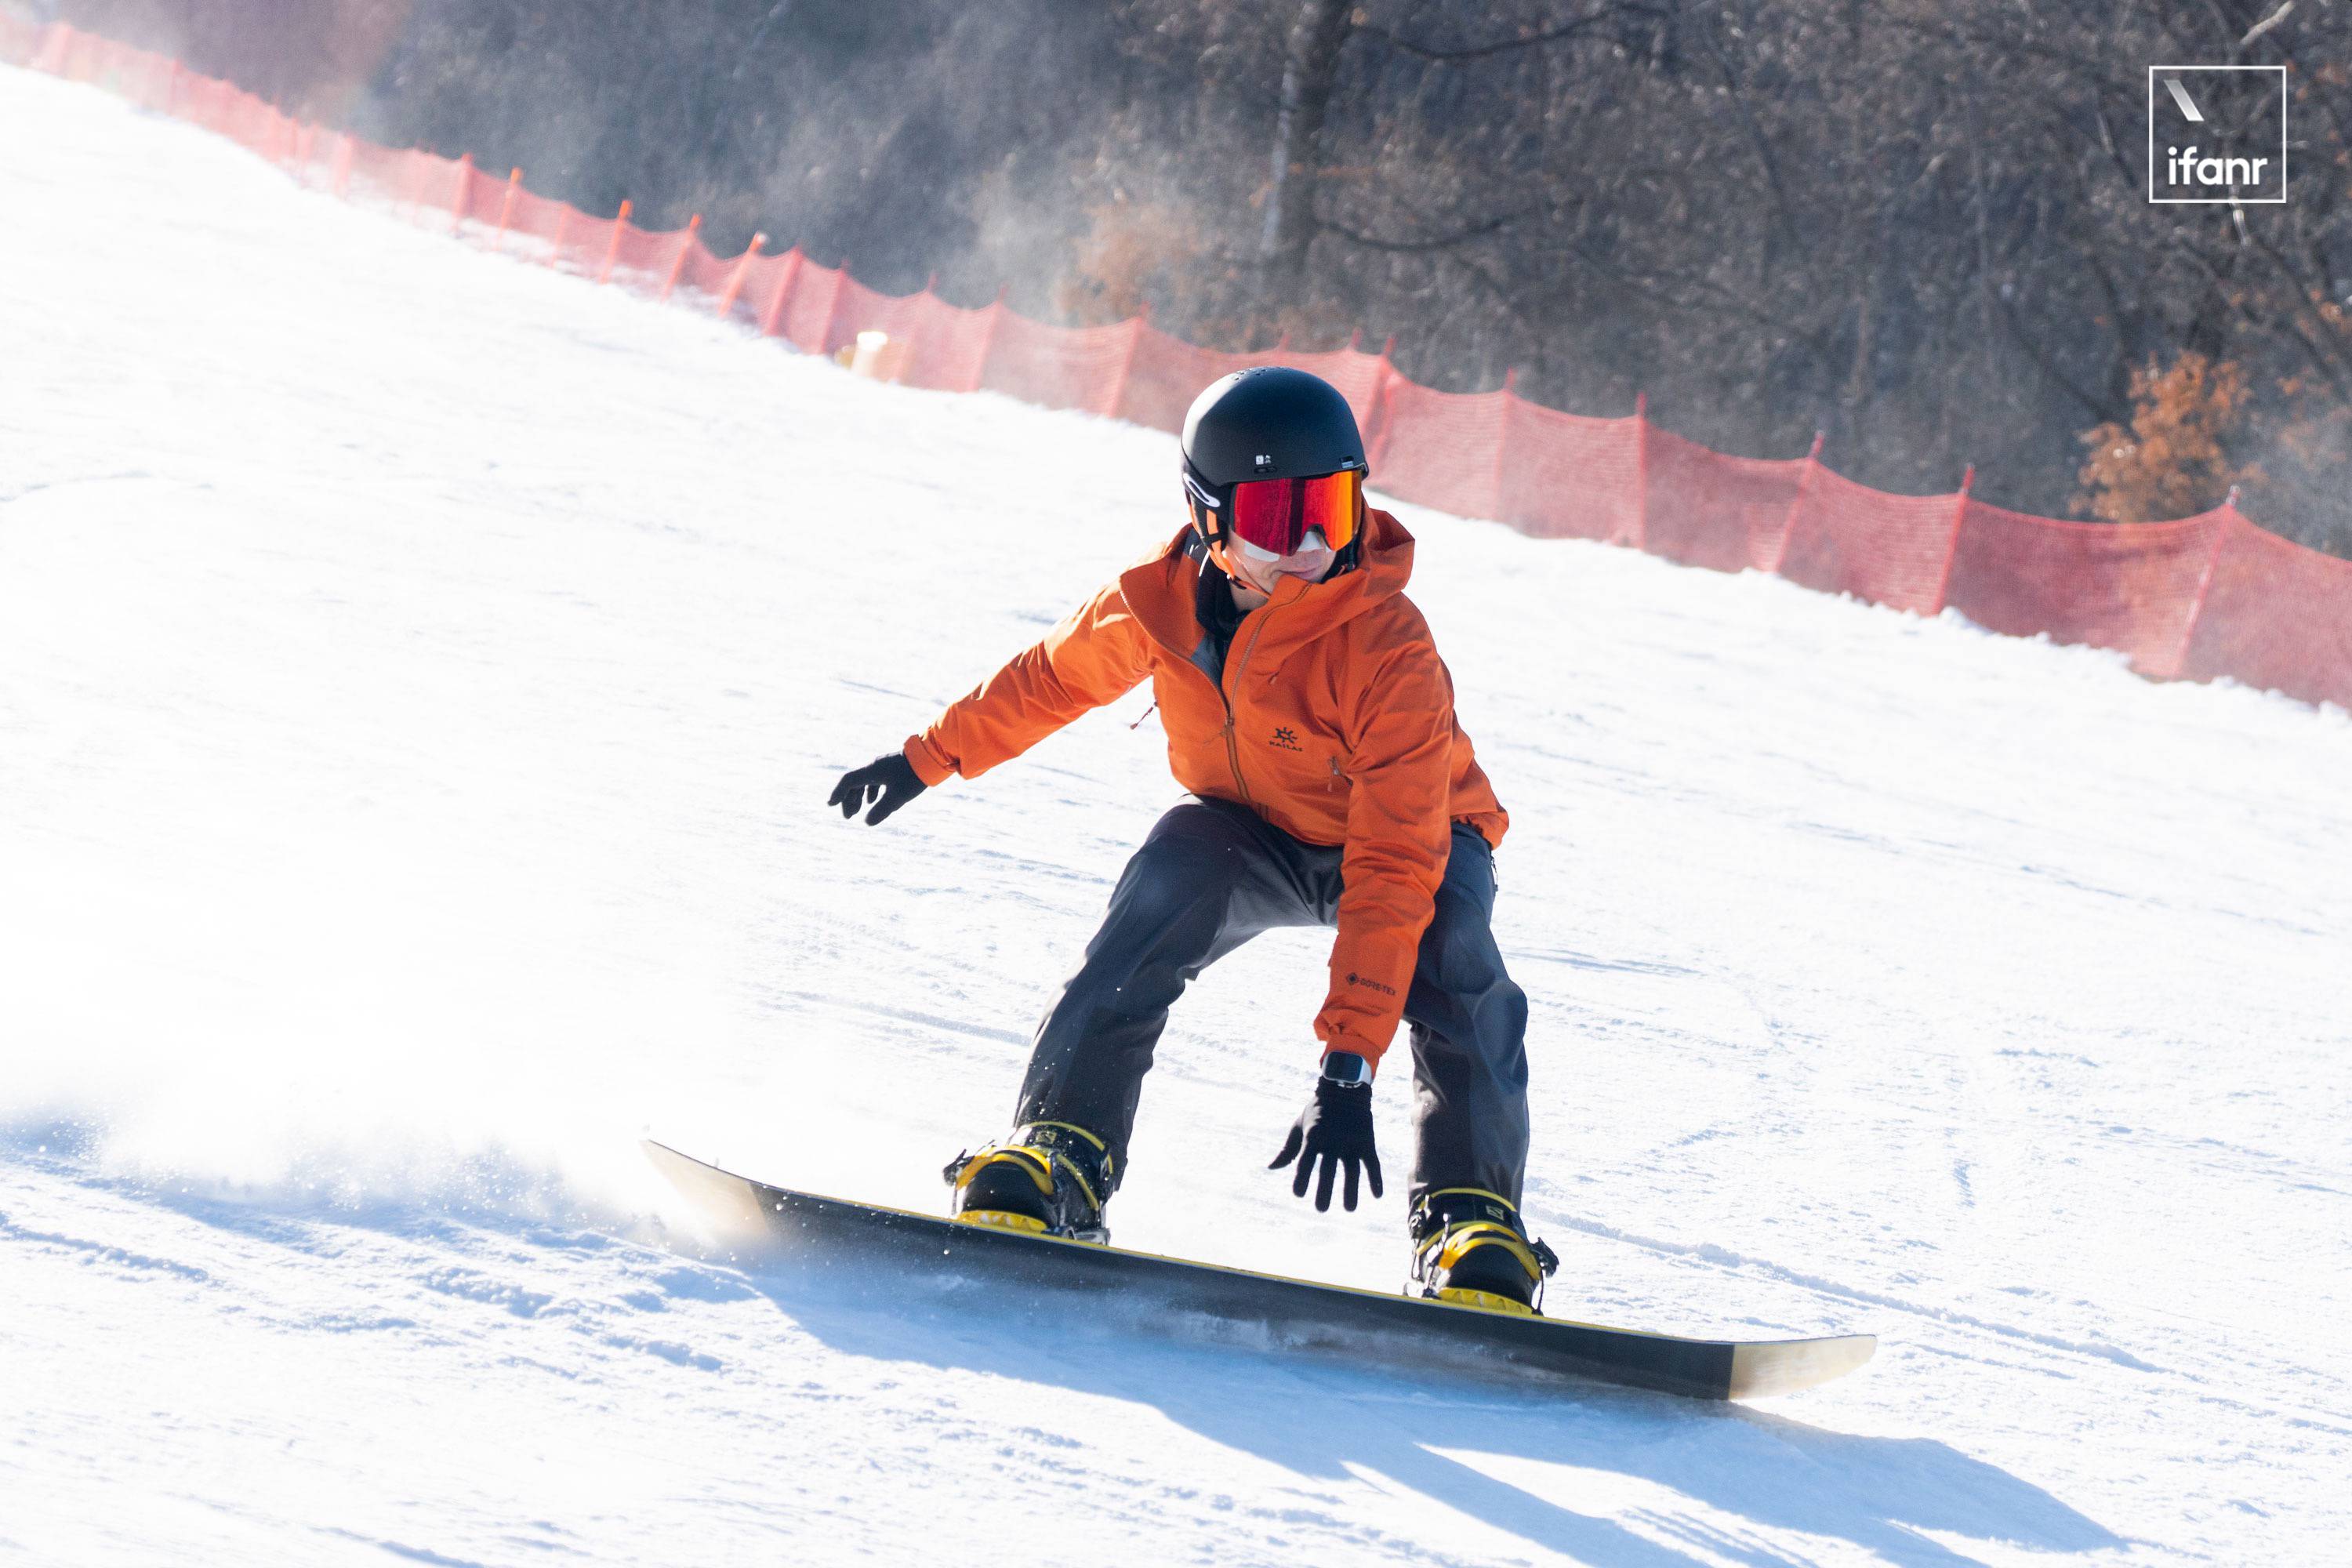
(1335,1129)
(889,782)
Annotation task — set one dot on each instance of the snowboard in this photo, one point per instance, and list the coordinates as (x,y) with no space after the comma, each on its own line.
(1370,1326)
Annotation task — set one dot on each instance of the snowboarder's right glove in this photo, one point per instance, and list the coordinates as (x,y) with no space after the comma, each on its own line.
(888,782)
(1335,1129)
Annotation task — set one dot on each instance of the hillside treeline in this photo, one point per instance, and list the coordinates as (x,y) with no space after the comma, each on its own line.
(1920,225)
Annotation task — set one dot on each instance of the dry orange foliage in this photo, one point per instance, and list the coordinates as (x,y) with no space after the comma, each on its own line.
(2172,459)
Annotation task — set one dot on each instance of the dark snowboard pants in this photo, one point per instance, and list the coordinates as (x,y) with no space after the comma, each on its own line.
(1211,876)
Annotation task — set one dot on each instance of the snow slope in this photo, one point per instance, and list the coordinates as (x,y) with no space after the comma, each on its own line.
(420,678)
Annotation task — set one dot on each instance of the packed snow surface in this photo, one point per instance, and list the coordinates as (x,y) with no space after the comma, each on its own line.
(421,674)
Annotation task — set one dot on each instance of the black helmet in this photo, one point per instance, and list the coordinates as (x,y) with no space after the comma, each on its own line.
(1269,422)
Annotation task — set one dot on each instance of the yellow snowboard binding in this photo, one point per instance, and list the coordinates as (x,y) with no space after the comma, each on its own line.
(1470,1248)
(1050,1178)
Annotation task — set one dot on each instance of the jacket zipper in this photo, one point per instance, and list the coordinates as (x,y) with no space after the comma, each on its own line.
(1233,745)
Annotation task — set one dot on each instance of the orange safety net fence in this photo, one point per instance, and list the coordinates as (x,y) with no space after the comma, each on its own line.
(2203,597)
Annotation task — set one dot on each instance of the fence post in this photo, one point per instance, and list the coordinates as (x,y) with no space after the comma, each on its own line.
(735,280)
(464,192)
(772,320)
(1640,540)
(1502,439)
(506,208)
(612,251)
(678,266)
(1952,545)
(2204,586)
(987,338)
(1797,503)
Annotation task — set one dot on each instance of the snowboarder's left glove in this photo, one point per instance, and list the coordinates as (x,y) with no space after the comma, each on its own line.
(889,782)
(1335,1129)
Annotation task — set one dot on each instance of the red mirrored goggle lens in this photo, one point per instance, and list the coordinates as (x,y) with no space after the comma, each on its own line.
(1279,514)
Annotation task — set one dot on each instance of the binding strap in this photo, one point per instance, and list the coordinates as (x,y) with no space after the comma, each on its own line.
(1031,1162)
(1443,1241)
(1036,1159)
(1063,1160)
(1456,1241)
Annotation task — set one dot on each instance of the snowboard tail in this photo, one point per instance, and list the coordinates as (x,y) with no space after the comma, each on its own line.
(1387,1328)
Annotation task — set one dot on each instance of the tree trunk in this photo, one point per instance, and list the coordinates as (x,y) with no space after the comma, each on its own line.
(1310,68)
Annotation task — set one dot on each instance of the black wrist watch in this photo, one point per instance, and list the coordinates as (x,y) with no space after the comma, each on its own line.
(1347,1066)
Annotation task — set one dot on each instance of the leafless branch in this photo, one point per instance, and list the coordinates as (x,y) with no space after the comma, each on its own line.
(1568,29)
(1442,242)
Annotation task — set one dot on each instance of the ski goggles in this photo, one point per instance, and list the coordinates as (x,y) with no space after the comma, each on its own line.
(1277,515)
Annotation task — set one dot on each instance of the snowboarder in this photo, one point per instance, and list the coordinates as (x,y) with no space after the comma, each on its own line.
(1309,716)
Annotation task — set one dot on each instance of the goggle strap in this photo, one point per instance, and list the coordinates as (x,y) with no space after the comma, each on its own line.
(1208,497)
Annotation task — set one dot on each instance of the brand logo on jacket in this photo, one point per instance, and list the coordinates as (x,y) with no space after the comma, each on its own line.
(1365,980)
(1286,738)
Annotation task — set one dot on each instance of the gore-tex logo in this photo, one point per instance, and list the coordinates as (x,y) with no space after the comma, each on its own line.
(1365,980)
(1287,739)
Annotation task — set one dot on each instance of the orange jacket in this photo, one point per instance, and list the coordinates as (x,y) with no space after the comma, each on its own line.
(1334,722)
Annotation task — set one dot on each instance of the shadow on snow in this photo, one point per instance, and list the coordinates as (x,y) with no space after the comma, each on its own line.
(1321,1415)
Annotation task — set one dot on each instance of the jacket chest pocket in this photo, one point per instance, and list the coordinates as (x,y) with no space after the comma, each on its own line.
(1305,754)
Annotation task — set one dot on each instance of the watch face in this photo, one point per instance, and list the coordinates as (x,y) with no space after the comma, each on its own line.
(1347,1066)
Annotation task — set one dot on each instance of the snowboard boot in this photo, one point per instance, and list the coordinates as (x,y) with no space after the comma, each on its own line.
(1470,1248)
(1050,1178)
